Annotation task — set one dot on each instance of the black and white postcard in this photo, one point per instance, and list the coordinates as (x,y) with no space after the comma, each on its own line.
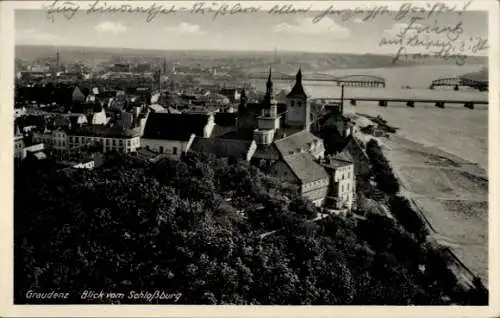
(271,157)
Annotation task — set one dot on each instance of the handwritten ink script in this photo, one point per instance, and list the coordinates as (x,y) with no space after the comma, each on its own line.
(425,30)
(422,27)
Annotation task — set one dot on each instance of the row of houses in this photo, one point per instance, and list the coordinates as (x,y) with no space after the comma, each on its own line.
(274,137)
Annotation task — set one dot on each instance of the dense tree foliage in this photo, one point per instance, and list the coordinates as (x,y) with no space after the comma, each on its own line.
(408,217)
(384,176)
(195,227)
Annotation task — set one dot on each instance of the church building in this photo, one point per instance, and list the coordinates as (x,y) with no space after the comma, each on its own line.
(270,120)
(285,146)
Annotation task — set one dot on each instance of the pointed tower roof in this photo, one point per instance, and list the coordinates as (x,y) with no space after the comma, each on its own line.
(269,79)
(77,95)
(298,89)
(269,97)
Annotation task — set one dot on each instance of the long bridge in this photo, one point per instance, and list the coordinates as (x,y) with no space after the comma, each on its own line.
(456,82)
(372,81)
(408,96)
(360,80)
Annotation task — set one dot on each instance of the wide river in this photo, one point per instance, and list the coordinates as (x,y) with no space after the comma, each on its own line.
(455,129)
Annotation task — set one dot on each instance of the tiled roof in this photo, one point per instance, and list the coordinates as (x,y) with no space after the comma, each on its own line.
(225,119)
(296,142)
(335,162)
(344,155)
(283,132)
(224,131)
(221,147)
(174,126)
(305,167)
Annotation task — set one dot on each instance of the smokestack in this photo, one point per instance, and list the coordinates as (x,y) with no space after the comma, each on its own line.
(57,66)
(342,100)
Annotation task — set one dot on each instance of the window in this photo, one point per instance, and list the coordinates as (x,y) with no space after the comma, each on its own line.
(299,103)
(161,149)
(128,143)
(174,150)
(292,103)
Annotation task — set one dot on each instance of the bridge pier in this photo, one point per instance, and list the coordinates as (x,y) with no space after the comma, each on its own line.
(410,104)
(382,103)
(440,104)
(353,102)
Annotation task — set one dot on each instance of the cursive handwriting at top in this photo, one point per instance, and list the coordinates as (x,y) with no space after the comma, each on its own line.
(452,31)
(366,13)
(438,40)
(431,9)
(151,11)
(67,8)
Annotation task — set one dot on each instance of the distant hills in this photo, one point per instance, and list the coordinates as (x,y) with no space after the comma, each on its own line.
(480,76)
(286,62)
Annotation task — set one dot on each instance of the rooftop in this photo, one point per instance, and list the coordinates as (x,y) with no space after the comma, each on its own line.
(335,162)
(298,88)
(305,167)
(296,142)
(222,147)
(103,131)
(168,126)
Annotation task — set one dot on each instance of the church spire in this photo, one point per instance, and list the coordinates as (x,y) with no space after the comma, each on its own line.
(298,77)
(298,89)
(269,83)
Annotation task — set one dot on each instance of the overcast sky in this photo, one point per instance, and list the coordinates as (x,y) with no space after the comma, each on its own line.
(237,32)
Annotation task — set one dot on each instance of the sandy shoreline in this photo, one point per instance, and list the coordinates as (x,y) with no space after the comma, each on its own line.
(452,193)
(448,189)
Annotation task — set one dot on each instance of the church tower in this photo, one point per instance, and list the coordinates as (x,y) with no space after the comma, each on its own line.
(298,107)
(268,121)
(242,110)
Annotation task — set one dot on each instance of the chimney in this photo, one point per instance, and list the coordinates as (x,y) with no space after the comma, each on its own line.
(342,100)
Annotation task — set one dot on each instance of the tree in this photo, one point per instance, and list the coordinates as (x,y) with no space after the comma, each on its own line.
(384,175)
(168,226)
(409,218)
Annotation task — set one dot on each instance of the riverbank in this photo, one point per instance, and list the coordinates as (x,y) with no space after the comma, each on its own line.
(450,192)
(455,130)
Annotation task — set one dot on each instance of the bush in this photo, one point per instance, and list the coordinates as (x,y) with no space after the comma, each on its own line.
(384,176)
(409,218)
